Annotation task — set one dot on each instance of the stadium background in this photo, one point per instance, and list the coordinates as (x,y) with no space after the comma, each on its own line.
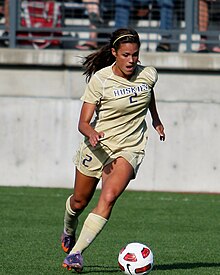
(39,109)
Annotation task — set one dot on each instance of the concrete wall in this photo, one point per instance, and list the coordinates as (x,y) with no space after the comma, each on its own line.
(39,110)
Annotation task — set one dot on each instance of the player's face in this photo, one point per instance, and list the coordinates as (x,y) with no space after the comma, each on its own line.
(126,59)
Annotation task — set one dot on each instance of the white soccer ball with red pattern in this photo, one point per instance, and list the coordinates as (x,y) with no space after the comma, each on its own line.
(135,258)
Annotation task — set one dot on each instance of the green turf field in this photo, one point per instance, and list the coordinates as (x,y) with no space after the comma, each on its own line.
(183,231)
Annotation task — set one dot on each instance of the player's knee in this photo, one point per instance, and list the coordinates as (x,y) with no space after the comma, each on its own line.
(110,198)
(78,204)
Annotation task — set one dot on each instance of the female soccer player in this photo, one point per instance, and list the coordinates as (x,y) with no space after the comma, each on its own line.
(119,94)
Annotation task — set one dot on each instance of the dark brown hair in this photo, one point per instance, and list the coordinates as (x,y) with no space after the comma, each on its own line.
(103,57)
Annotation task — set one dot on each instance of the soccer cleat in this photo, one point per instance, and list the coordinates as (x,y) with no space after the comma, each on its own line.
(68,242)
(74,261)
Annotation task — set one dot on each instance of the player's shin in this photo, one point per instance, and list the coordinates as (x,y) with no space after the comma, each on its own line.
(70,219)
(92,226)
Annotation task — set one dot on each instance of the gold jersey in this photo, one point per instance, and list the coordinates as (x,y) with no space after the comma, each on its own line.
(122,106)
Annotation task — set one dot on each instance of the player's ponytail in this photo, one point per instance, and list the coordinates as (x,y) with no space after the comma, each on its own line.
(98,60)
(103,57)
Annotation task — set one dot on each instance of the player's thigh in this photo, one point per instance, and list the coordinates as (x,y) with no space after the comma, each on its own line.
(84,187)
(116,176)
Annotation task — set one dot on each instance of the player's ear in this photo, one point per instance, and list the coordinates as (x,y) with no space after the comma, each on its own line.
(113,52)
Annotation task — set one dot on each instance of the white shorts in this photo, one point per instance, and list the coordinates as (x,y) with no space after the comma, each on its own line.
(90,161)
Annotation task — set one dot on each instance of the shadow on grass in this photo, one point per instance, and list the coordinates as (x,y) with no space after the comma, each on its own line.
(108,269)
(101,269)
(185,266)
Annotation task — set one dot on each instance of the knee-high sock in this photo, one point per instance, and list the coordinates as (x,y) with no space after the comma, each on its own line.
(70,219)
(91,228)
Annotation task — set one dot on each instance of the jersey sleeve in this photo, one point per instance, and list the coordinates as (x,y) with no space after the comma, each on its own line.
(93,91)
(151,75)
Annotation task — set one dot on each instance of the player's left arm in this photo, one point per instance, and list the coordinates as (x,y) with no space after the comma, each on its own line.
(156,122)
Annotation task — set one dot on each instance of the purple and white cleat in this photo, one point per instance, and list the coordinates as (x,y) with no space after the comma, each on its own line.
(74,261)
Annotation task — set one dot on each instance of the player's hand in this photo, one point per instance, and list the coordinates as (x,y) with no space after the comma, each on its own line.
(160,130)
(95,137)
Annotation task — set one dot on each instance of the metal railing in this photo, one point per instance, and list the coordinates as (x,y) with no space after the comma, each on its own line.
(72,24)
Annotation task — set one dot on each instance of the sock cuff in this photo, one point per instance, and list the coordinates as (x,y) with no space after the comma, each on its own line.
(97,217)
(68,207)
(95,221)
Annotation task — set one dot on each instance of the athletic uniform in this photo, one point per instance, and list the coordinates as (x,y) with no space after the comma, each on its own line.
(121,108)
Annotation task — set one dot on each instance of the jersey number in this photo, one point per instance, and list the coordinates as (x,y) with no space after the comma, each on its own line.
(88,159)
(132,98)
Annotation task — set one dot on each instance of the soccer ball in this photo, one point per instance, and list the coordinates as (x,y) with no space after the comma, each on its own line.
(135,258)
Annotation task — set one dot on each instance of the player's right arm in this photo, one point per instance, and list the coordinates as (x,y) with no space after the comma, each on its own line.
(84,126)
